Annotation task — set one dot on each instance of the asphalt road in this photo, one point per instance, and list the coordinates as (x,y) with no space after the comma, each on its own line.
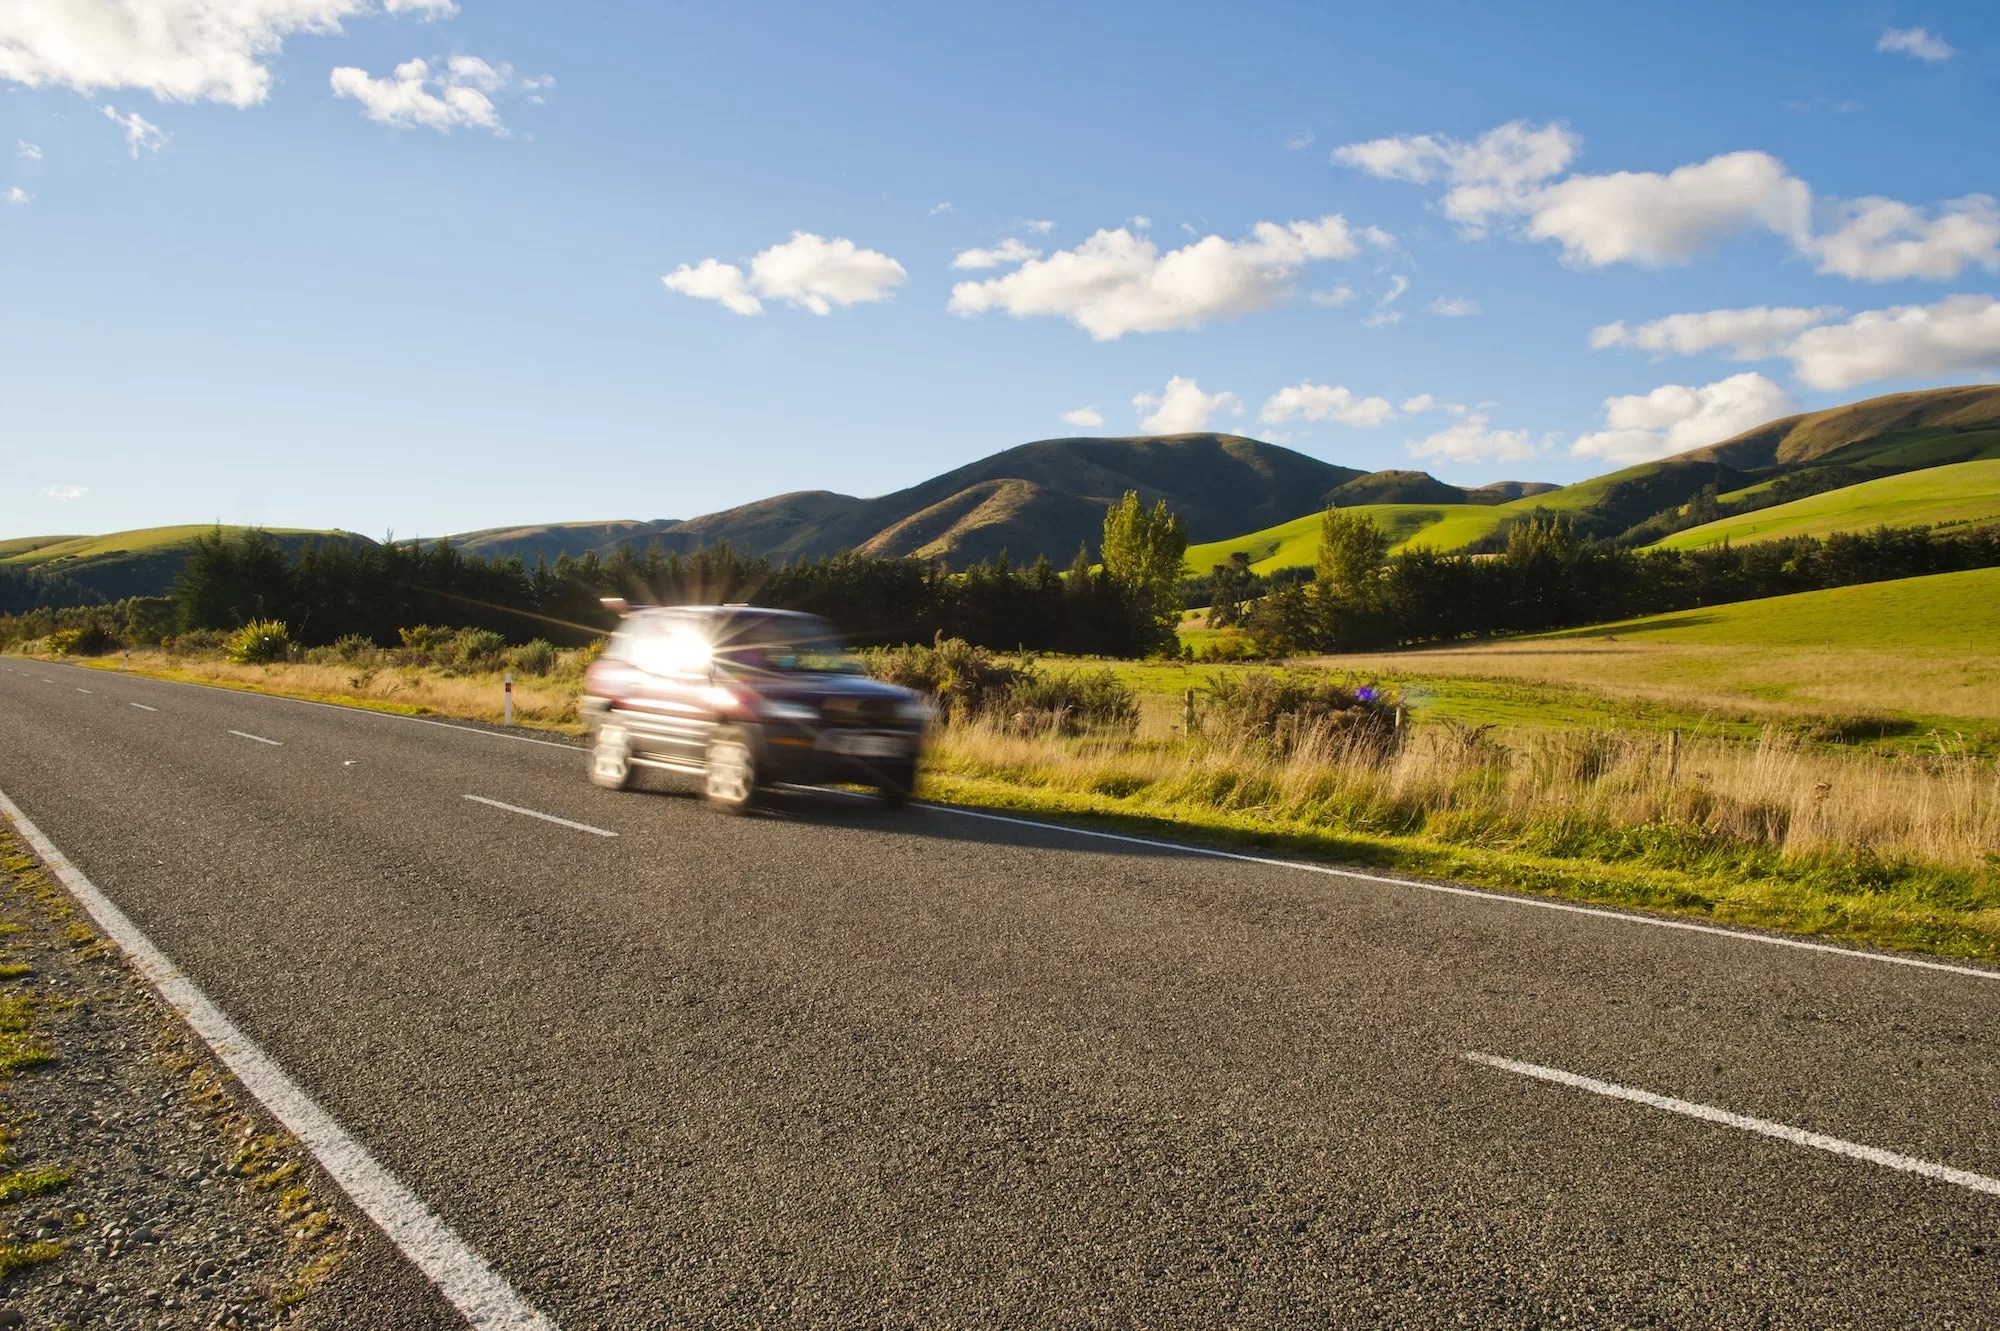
(839,1067)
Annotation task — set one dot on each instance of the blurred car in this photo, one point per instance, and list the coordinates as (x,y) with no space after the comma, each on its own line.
(745,698)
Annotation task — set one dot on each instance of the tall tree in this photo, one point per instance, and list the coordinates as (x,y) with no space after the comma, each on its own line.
(1351,549)
(1143,551)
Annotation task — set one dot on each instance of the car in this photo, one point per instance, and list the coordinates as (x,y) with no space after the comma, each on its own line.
(746,697)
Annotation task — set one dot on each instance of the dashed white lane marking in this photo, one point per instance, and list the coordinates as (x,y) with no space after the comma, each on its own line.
(545,817)
(1819,1141)
(142,707)
(1476,894)
(473,1287)
(244,734)
(84,690)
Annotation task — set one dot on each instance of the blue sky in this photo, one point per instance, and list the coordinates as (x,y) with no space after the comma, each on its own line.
(431,298)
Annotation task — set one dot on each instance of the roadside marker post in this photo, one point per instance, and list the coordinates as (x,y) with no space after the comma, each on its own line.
(507,709)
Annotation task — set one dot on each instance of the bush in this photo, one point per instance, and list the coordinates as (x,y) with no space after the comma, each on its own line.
(473,649)
(197,642)
(90,640)
(353,648)
(1070,703)
(1299,708)
(1230,644)
(961,679)
(259,642)
(534,658)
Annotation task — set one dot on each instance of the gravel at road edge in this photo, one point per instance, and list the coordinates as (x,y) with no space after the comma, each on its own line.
(182,1207)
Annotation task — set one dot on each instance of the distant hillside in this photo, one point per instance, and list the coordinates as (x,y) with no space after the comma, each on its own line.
(142,562)
(561,538)
(1962,494)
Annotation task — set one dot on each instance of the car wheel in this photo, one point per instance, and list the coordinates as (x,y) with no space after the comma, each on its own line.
(895,785)
(611,758)
(730,782)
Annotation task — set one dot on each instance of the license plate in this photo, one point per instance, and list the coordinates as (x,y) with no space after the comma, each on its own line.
(868,746)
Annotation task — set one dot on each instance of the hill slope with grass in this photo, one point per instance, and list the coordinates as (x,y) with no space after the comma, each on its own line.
(141,562)
(1296,543)
(1961,494)
(1946,611)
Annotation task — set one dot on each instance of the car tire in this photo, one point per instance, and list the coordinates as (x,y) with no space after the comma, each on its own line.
(895,785)
(729,775)
(611,758)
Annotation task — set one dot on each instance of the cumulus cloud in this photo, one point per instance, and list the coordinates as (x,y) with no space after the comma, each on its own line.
(1332,296)
(23,148)
(1139,222)
(1455,307)
(17,195)
(1086,416)
(1317,402)
(1182,408)
(808,271)
(1422,402)
(460,94)
(1674,418)
(1758,332)
(65,492)
(141,134)
(1917,43)
(421,8)
(1954,336)
(1957,335)
(1639,217)
(1472,438)
(1008,251)
(1119,282)
(183,51)
(1882,240)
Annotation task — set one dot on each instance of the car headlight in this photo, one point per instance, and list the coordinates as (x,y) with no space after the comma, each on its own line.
(915,709)
(789,711)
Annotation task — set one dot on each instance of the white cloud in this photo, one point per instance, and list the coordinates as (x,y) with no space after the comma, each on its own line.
(941,209)
(459,94)
(1472,439)
(722,283)
(421,8)
(17,195)
(1675,418)
(1422,402)
(141,134)
(1957,335)
(1332,296)
(1455,307)
(1087,416)
(178,50)
(28,150)
(1515,173)
(1758,332)
(1139,222)
(1954,336)
(1882,240)
(1299,142)
(1917,43)
(1317,402)
(1117,282)
(65,492)
(1182,408)
(1651,219)
(808,271)
(1497,174)
(1008,251)
(1382,314)
(1040,228)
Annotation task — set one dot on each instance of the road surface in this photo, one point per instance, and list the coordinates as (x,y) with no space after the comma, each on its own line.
(833,1066)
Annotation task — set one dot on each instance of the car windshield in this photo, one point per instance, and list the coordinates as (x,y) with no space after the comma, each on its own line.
(785,649)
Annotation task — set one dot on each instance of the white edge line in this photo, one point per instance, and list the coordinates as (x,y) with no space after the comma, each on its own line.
(244,734)
(1476,894)
(545,817)
(473,1287)
(1819,1141)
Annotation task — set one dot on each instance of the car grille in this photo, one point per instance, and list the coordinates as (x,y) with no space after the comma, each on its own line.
(860,712)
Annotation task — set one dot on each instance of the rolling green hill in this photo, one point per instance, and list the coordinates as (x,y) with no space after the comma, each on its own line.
(1438,526)
(1961,492)
(1948,611)
(142,562)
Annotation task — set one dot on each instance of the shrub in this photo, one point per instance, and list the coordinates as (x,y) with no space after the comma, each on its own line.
(962,679)
(1069,703)
(90,640)
(534,658)
(259,642)
(354,648)
(1301,708)
(421,643)
(196,642)
(1229,644)
(472,649)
